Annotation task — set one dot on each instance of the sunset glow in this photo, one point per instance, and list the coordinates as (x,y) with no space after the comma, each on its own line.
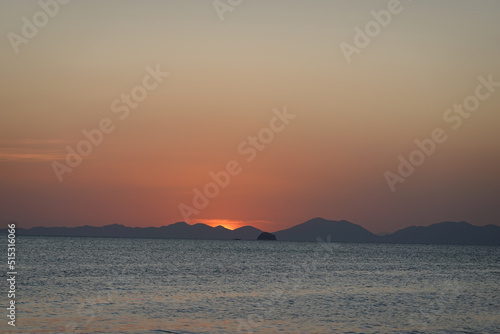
(229,224)
(233,224)
(159,113)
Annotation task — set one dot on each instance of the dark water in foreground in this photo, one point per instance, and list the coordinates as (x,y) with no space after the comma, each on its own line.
(100,285)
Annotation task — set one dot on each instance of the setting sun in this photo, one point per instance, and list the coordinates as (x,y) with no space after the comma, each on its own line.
(227,223)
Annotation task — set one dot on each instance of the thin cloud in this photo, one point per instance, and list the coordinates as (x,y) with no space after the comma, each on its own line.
(17,154)
(32,149)
(16,143)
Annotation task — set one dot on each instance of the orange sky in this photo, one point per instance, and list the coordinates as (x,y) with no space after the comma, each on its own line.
(228,81)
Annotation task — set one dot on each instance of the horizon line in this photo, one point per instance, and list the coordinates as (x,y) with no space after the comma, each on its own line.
(193,224)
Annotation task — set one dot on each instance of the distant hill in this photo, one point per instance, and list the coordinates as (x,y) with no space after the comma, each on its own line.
(339,231)
(446,233)
(179,230)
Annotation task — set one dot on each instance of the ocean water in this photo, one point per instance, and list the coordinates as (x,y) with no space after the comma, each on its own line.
(105,285)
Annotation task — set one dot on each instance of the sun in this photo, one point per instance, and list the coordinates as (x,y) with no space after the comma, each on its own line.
(230,224)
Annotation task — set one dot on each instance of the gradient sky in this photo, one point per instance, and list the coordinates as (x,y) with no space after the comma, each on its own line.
(226,77)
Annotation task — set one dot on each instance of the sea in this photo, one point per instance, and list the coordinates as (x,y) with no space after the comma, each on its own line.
(113,285)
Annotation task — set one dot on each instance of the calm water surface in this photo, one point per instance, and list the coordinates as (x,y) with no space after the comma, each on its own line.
(101,285)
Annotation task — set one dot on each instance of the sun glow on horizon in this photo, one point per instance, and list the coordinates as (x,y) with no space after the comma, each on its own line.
(226,223)
(172,116)
(230,224)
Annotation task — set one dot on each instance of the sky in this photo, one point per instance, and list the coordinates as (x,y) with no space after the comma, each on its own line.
(252,112)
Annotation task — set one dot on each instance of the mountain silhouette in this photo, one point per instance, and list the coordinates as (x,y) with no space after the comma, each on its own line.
(178,230)
(337,231)
(246,233)
(446,233)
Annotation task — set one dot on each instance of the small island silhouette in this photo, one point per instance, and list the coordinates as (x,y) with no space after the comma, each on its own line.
(266,236)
